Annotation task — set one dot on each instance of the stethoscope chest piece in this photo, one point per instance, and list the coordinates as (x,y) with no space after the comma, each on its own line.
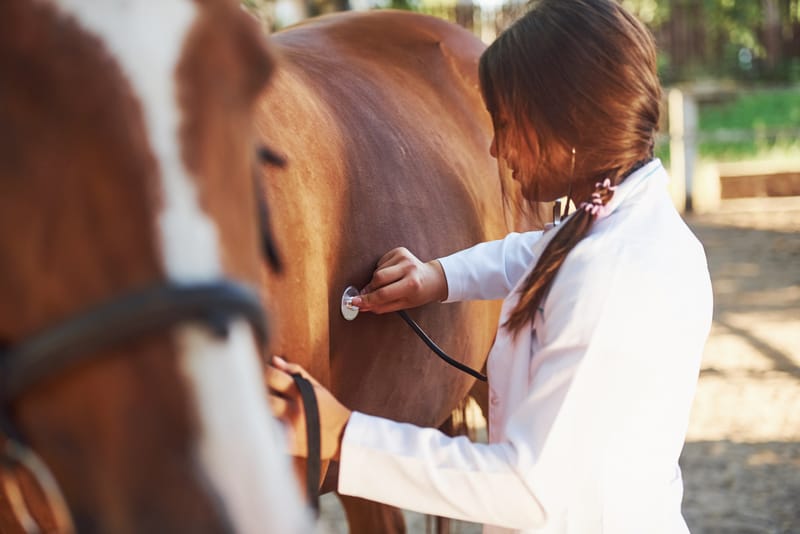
(349,312)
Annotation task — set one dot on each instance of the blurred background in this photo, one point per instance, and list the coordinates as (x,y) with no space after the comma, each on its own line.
(731,140)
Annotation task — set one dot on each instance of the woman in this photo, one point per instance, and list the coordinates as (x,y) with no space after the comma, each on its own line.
(596,358)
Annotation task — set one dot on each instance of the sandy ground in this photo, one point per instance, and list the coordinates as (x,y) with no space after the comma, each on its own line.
(741,463)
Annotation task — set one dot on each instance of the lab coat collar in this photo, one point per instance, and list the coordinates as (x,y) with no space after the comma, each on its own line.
(651,175)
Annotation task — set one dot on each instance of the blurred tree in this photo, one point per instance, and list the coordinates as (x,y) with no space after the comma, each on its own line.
(276,14)
(772,33)
(263,10)
(740,38)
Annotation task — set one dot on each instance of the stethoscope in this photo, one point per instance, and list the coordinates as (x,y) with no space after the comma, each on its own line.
(350,312)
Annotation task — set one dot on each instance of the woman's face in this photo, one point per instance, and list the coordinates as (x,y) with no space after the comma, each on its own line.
(511,145)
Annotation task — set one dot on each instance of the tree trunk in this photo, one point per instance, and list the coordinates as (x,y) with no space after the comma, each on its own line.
(772,32)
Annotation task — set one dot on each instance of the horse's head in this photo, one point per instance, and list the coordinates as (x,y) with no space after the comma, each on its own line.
(126,200)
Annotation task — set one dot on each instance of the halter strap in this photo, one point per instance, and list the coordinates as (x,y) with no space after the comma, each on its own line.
(314,460)
(121,319)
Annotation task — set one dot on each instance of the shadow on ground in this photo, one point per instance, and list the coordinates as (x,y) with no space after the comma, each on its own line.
(729,488)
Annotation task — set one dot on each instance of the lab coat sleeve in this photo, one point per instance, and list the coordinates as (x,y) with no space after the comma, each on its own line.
(489,270)
(424,470)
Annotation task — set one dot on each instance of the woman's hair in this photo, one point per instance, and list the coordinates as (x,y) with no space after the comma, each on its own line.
(577,78)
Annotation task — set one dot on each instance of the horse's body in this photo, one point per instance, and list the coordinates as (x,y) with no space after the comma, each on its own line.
(387,138)
(126,156)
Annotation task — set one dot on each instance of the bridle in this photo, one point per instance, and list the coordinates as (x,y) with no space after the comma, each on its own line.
(123,318)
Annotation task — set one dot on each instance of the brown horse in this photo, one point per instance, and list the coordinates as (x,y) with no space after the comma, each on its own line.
(387,138)
(127,211)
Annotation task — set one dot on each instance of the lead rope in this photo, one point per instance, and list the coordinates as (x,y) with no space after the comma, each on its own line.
(314,461)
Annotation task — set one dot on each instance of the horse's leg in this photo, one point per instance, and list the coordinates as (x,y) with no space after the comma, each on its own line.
(441,525)
(364,516)
(458,424)
(480,392)
(368,517)
(455,425)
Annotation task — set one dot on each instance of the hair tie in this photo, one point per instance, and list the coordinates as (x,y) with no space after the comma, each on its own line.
(596,207)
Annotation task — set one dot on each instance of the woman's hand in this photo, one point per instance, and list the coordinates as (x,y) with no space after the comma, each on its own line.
(402,281)
(287,405)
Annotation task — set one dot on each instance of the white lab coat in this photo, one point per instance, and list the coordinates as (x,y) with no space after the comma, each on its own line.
(589,407)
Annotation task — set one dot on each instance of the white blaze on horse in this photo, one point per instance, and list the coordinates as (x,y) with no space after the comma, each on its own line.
(129,244)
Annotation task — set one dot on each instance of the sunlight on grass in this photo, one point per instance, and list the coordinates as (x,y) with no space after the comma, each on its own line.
(753,110)
(752,125)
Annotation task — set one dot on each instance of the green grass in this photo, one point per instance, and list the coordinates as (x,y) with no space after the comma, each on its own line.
(754,110)
(751,125)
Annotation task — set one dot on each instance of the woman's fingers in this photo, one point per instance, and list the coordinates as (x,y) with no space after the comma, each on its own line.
(396,296)
(290,368)
(388,272)
(279,405)
(286,404)
(388,275)
(391,267)
(395,284)
(393,256)
(279,379)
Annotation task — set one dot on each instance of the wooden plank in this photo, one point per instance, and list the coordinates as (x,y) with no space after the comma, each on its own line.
(780,184)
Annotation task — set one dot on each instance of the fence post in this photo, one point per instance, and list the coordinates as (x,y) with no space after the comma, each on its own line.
(682,145)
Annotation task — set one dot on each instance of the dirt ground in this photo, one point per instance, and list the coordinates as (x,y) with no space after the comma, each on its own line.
(741,463)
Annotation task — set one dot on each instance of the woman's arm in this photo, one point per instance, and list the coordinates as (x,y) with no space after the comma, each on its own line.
(486,271)
(489,271)
(402,281)
(424,470)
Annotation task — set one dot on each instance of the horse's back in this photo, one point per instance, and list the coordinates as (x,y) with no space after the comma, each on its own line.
(388,146)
